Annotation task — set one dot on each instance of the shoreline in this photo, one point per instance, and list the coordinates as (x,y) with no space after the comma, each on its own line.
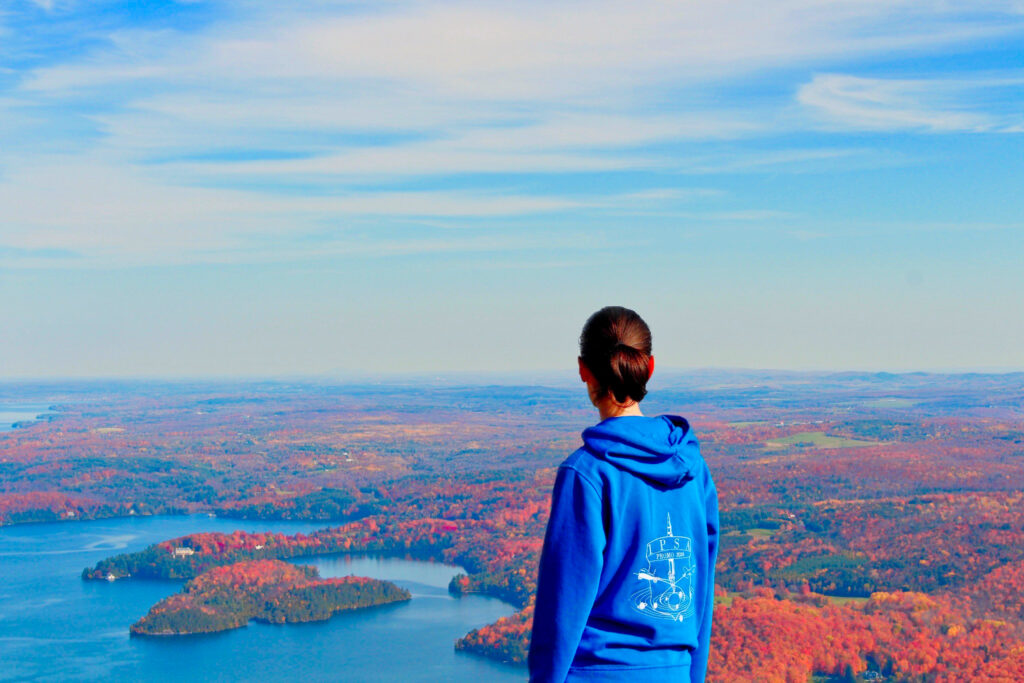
(24,417)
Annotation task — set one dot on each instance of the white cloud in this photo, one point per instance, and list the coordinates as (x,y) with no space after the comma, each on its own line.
(101,211)
(105,213)
(531,50)
(937,105)
(793,159)
(561,144)
(345,97)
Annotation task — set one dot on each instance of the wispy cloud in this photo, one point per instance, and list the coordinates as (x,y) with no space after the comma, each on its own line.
(105,210)
(66,212)
(939,105)
(527,51)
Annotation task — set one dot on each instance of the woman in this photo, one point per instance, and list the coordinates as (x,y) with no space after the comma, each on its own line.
(626,580)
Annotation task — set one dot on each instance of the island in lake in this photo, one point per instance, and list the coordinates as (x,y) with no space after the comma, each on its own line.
(271,591)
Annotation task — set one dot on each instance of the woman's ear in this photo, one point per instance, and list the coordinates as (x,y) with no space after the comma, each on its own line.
(650,367)
(584,371)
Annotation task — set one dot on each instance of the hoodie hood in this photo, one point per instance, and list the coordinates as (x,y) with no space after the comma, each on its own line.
(660,449)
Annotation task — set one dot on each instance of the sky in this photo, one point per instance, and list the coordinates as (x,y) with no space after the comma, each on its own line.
(323,188)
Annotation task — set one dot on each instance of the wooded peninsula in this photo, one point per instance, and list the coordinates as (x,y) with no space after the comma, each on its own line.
(271,591)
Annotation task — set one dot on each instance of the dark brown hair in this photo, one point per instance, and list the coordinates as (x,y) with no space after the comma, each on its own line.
(616,347)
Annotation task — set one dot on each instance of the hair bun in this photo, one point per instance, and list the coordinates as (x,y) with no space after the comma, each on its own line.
(616,346)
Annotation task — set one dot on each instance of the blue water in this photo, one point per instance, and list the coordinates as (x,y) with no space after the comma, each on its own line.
(20,412)
(54,626)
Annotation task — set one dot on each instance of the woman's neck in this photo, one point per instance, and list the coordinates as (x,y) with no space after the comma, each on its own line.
(609,408)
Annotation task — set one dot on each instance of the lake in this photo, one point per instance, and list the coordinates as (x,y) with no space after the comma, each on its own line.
(10,413)
(54,626)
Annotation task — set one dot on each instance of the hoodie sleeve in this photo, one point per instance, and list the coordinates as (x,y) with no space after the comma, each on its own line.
(570,569)
(699,665)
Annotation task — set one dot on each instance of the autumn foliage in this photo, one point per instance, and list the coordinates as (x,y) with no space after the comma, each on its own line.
(870,523)
(265,590)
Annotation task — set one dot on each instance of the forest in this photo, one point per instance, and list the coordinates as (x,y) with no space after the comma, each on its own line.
(880,514)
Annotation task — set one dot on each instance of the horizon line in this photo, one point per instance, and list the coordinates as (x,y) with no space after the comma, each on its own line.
(445,376)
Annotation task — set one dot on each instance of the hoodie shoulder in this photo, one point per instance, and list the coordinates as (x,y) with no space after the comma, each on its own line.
(585,466)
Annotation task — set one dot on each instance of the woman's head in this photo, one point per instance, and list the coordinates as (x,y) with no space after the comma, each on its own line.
(615,347)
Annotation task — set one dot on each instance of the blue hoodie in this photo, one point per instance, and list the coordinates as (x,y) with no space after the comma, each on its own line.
(626,580)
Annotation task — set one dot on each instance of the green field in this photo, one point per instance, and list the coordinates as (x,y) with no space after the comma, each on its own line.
(809,566)
(761,533)
(816,440)
(725,600)
(843,600)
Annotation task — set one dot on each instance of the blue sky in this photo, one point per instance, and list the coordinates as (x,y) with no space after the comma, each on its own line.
(256,188)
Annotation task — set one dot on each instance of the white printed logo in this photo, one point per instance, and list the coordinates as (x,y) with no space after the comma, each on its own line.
(667,591)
